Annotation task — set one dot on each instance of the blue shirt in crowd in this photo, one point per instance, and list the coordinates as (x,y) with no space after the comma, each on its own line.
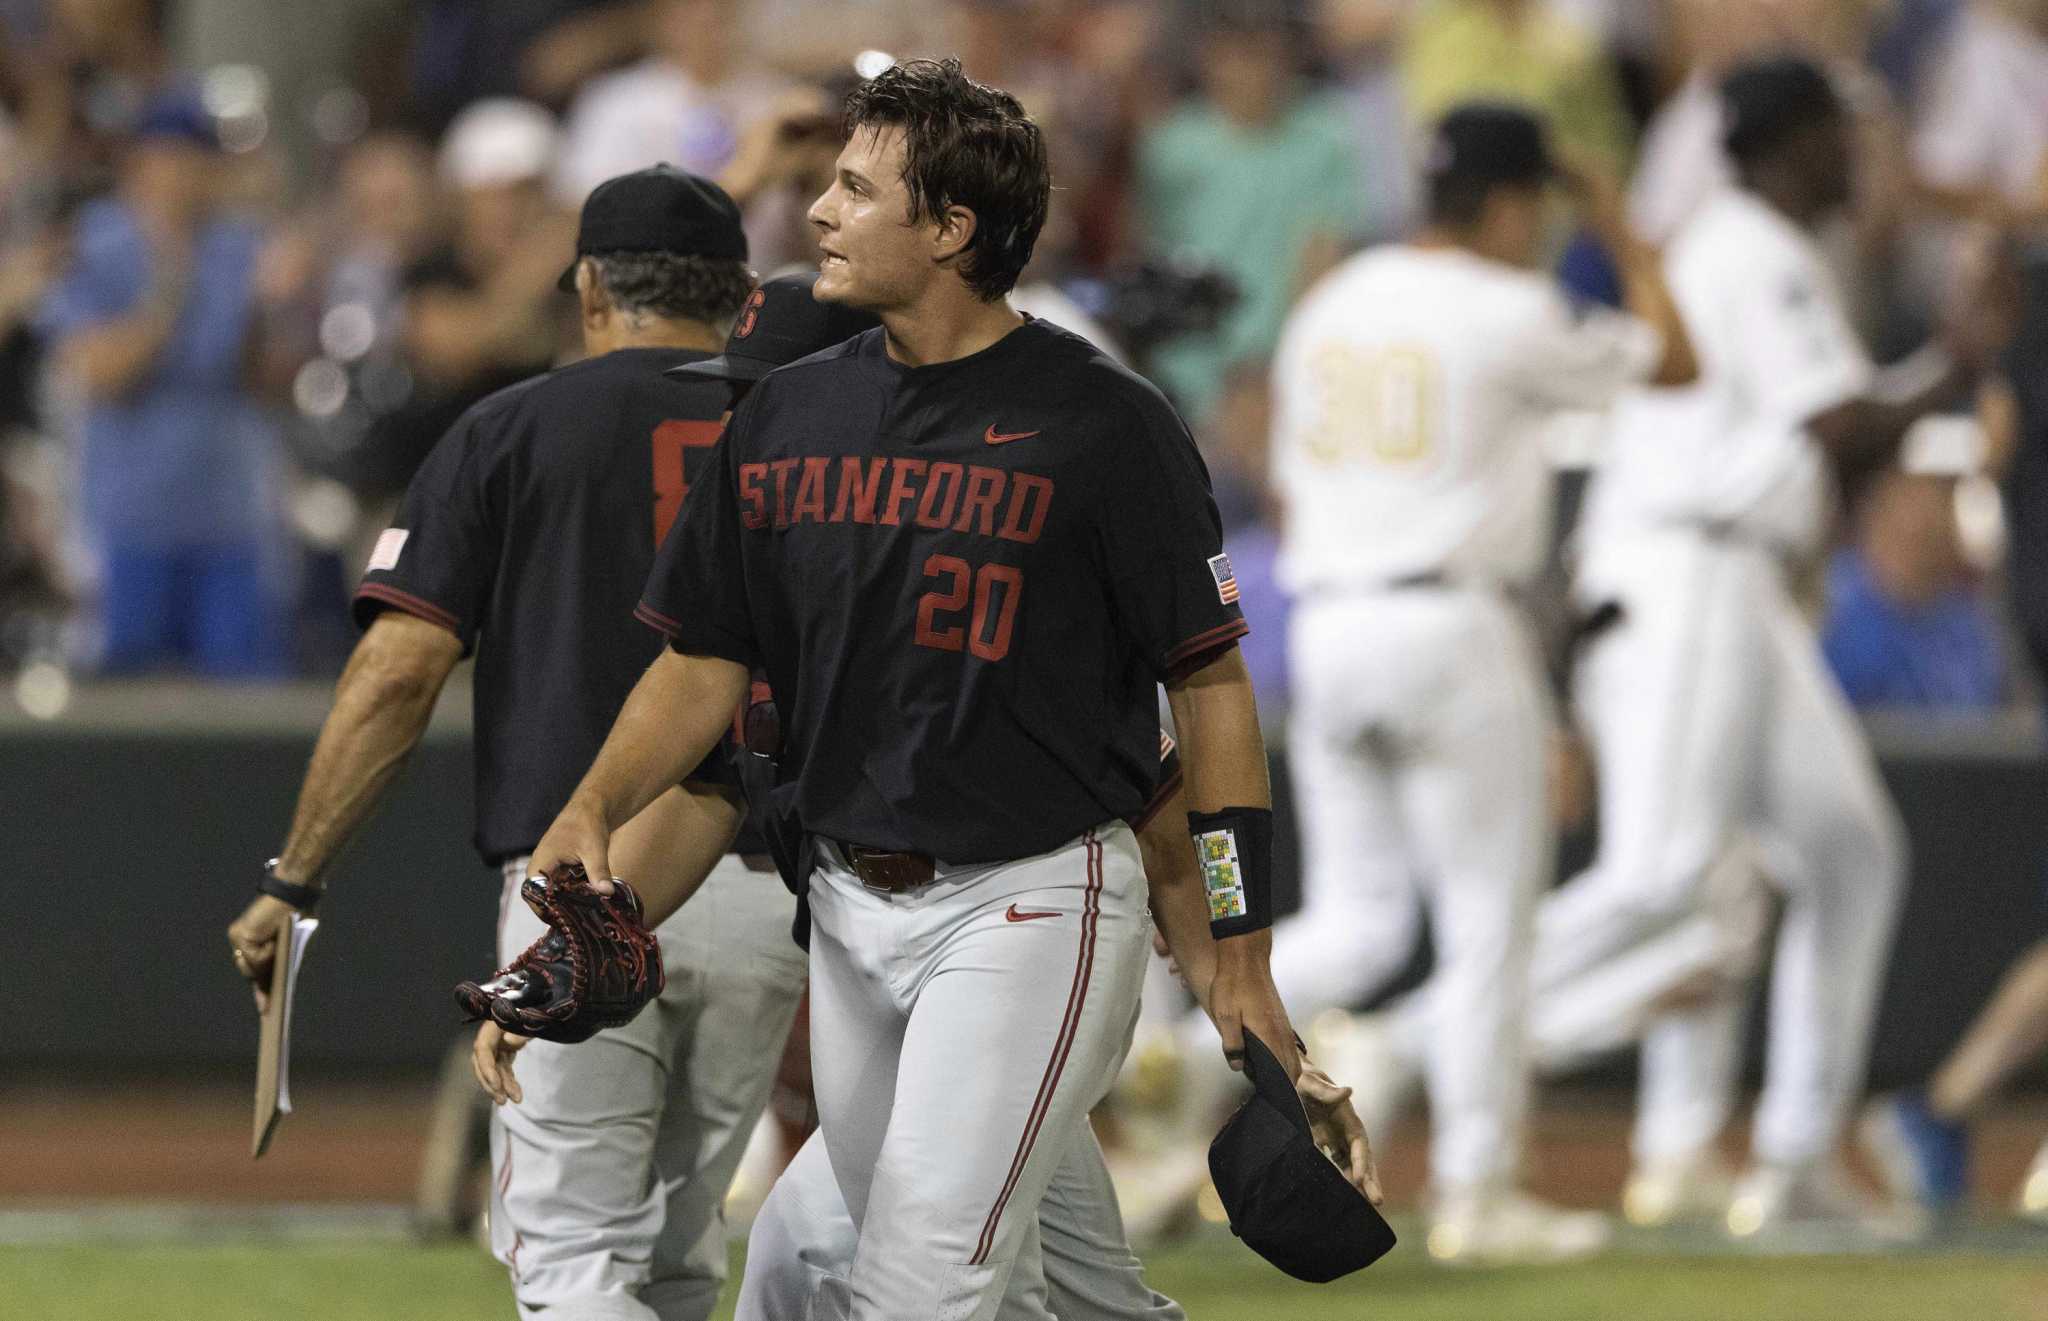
(1942,655)
(185,458)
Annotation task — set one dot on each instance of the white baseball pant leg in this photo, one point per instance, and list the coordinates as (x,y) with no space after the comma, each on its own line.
(1416,748)
(611,1174)
(1837,848)
(956,1051)
(801,1249)
(1673,703)
(1713,718)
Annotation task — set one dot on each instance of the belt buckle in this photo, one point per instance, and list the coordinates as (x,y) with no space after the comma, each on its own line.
(878,871)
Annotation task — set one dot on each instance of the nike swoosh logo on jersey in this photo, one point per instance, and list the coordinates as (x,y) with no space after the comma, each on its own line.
(995,437)
(1014,916)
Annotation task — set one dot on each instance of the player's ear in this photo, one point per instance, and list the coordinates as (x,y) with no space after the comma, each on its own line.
(591,299)
(955,230)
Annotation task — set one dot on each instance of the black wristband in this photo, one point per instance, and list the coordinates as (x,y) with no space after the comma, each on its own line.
(302,897)
(1234,848)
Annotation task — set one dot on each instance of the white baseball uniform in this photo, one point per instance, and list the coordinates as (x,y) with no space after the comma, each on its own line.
(898,982)
(1410,387)
(1710,712)
(609,1178)
(800,1251)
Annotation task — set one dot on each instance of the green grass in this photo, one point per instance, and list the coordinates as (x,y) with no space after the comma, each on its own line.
(1215,1278)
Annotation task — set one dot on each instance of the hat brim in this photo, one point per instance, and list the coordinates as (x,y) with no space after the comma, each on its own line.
(727,367)
(1269,1079)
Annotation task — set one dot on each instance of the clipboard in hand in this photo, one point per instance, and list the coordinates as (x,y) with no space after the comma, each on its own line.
(274,1034)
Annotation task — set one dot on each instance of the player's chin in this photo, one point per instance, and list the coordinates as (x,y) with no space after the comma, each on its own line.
(837,282)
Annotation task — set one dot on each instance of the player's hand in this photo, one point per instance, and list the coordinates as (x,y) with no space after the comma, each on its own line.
(253,939)
(1197,975)
(1568,774)
(579,834)
(1242,996)
(1338,1129)
(490,1057)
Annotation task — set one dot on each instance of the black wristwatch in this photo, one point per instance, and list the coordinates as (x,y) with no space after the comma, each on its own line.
(302,897)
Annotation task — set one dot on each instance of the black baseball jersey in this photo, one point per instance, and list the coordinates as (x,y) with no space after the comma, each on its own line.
(533,522)
(964,582)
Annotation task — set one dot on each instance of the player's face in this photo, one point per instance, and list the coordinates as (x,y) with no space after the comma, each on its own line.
(871,254)
(1516,224)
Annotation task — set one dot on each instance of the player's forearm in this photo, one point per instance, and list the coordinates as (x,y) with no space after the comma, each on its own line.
(1175,884)
(1863,434)
(381,707)
(1222,752)
(1223,760)
(1648,298)
(668,850)
(673,718)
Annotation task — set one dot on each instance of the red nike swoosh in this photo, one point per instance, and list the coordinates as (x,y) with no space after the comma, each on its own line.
(995,437)
(1014,916)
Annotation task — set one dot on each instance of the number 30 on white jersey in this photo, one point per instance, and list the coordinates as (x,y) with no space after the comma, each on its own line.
(1409,390)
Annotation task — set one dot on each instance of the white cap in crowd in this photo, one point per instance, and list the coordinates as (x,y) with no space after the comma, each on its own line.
(501,140)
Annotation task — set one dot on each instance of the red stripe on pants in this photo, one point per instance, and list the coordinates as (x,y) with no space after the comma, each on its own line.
(1063,1046)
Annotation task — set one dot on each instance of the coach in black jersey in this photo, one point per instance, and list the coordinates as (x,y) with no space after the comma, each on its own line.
(966,548)
(526,536)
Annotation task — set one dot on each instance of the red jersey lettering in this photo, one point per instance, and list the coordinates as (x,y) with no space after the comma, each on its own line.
(810,492)
(1030,500)
(900,489)
(859,481)
(941,493)
(984,492)
(754,515)
(782,468)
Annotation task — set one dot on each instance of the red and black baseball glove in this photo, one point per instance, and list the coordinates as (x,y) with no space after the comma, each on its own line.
(596,967)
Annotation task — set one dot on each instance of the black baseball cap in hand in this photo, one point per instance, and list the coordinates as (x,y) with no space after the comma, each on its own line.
(1286,1199)
(1490,142)
(659,209)
(780,323)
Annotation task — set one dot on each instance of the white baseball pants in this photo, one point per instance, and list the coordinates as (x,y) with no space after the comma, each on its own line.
(802,1247)
(960,1033)
(1416,749)
(610,1177)
(1713,718)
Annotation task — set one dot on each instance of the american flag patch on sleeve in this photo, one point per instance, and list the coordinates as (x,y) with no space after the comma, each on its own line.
(1226,581)
(384,555)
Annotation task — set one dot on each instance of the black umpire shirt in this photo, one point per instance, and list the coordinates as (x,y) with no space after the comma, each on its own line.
(964,582)
(533,522)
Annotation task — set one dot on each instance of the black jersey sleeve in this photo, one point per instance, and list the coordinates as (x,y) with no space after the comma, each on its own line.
(697,592)
(1161,542)
(439,557)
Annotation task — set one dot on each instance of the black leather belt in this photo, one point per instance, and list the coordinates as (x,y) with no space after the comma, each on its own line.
(890,873)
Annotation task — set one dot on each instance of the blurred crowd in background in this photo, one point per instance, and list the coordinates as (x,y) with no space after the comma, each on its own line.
(254,259)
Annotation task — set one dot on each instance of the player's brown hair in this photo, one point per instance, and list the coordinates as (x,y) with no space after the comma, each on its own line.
(964,145)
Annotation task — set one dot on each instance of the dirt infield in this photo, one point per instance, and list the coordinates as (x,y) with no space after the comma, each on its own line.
(350,1141)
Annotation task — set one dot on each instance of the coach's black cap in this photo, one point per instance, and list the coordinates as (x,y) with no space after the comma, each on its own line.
(1765,100)
(659,209)
(780,323)
(1286,1199)
(1490,142)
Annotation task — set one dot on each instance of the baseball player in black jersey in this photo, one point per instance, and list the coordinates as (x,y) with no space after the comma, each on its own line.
(803,1241)
(531,526)
(965,548)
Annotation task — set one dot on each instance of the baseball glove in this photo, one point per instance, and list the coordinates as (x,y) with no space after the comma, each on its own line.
(596,966)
